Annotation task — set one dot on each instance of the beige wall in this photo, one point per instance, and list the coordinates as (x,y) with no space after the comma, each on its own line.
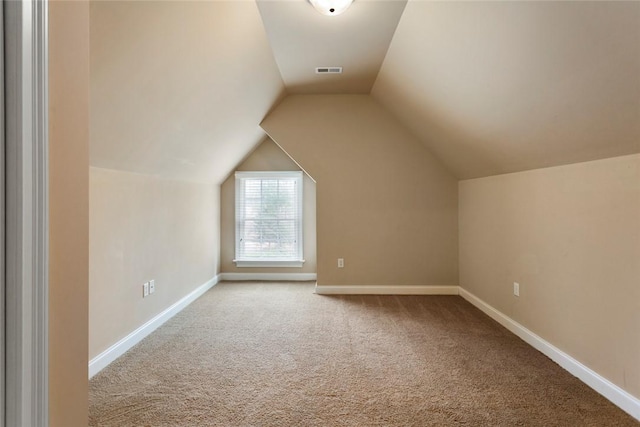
(68,212)
(266,157)
(144,228)
(384,203)
(570,236)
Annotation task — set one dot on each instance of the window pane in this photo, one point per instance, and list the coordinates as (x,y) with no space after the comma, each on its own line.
(267,214)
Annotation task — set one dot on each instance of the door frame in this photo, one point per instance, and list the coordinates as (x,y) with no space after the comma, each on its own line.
(26,255)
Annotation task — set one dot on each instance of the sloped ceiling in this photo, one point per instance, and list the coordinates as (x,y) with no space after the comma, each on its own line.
(356,40)
(496,87)
(178,89)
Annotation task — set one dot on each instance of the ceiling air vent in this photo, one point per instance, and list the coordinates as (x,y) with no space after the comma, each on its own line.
(328,70)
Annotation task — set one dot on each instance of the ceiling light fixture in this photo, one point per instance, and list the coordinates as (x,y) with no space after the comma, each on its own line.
(331,7)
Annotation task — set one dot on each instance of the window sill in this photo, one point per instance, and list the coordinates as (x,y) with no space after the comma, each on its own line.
(258,263)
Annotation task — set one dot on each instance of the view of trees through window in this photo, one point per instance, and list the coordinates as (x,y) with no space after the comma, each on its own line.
(268,223)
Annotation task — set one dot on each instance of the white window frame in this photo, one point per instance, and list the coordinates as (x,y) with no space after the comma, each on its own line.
(243,175)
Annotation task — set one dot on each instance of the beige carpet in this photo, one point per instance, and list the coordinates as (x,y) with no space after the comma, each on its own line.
(252,354)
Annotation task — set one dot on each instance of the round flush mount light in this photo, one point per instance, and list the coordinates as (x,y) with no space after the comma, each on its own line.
(331,7)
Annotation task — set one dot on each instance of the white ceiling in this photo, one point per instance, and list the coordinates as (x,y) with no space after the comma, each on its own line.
(178,88)
(303,39)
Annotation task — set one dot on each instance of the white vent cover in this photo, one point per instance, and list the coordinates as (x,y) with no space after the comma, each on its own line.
(328,70)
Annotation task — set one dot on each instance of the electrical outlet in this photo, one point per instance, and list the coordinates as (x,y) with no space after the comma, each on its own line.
(152,286)
(145,290)
(516,289)
(340,262)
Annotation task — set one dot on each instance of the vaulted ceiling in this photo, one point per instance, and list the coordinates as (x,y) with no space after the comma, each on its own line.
(496,87)
(178,88)
(357,41)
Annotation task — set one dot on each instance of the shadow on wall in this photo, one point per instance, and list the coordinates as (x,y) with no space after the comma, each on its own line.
(386,205)
(268,156)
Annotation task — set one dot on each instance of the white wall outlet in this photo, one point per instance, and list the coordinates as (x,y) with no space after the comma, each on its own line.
(340,262)
(145,290)
(516,289)
(152,286)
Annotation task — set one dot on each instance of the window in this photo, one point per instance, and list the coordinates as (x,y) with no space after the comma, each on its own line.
(269,219)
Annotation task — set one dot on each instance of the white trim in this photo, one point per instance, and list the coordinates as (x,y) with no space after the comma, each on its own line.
(3,239)
(283,277)
(241,177)
(606,388)
(27,213)
(386,290)
(102,360)
(269,264)
(268,174)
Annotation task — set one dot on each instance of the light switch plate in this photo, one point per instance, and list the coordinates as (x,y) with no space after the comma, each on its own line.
(145,290)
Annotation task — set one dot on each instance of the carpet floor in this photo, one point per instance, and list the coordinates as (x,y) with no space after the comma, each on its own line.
(275,354)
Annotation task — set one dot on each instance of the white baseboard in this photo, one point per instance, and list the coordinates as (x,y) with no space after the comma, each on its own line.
(282,277)
(102,360)
(386,290)
(606,388)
